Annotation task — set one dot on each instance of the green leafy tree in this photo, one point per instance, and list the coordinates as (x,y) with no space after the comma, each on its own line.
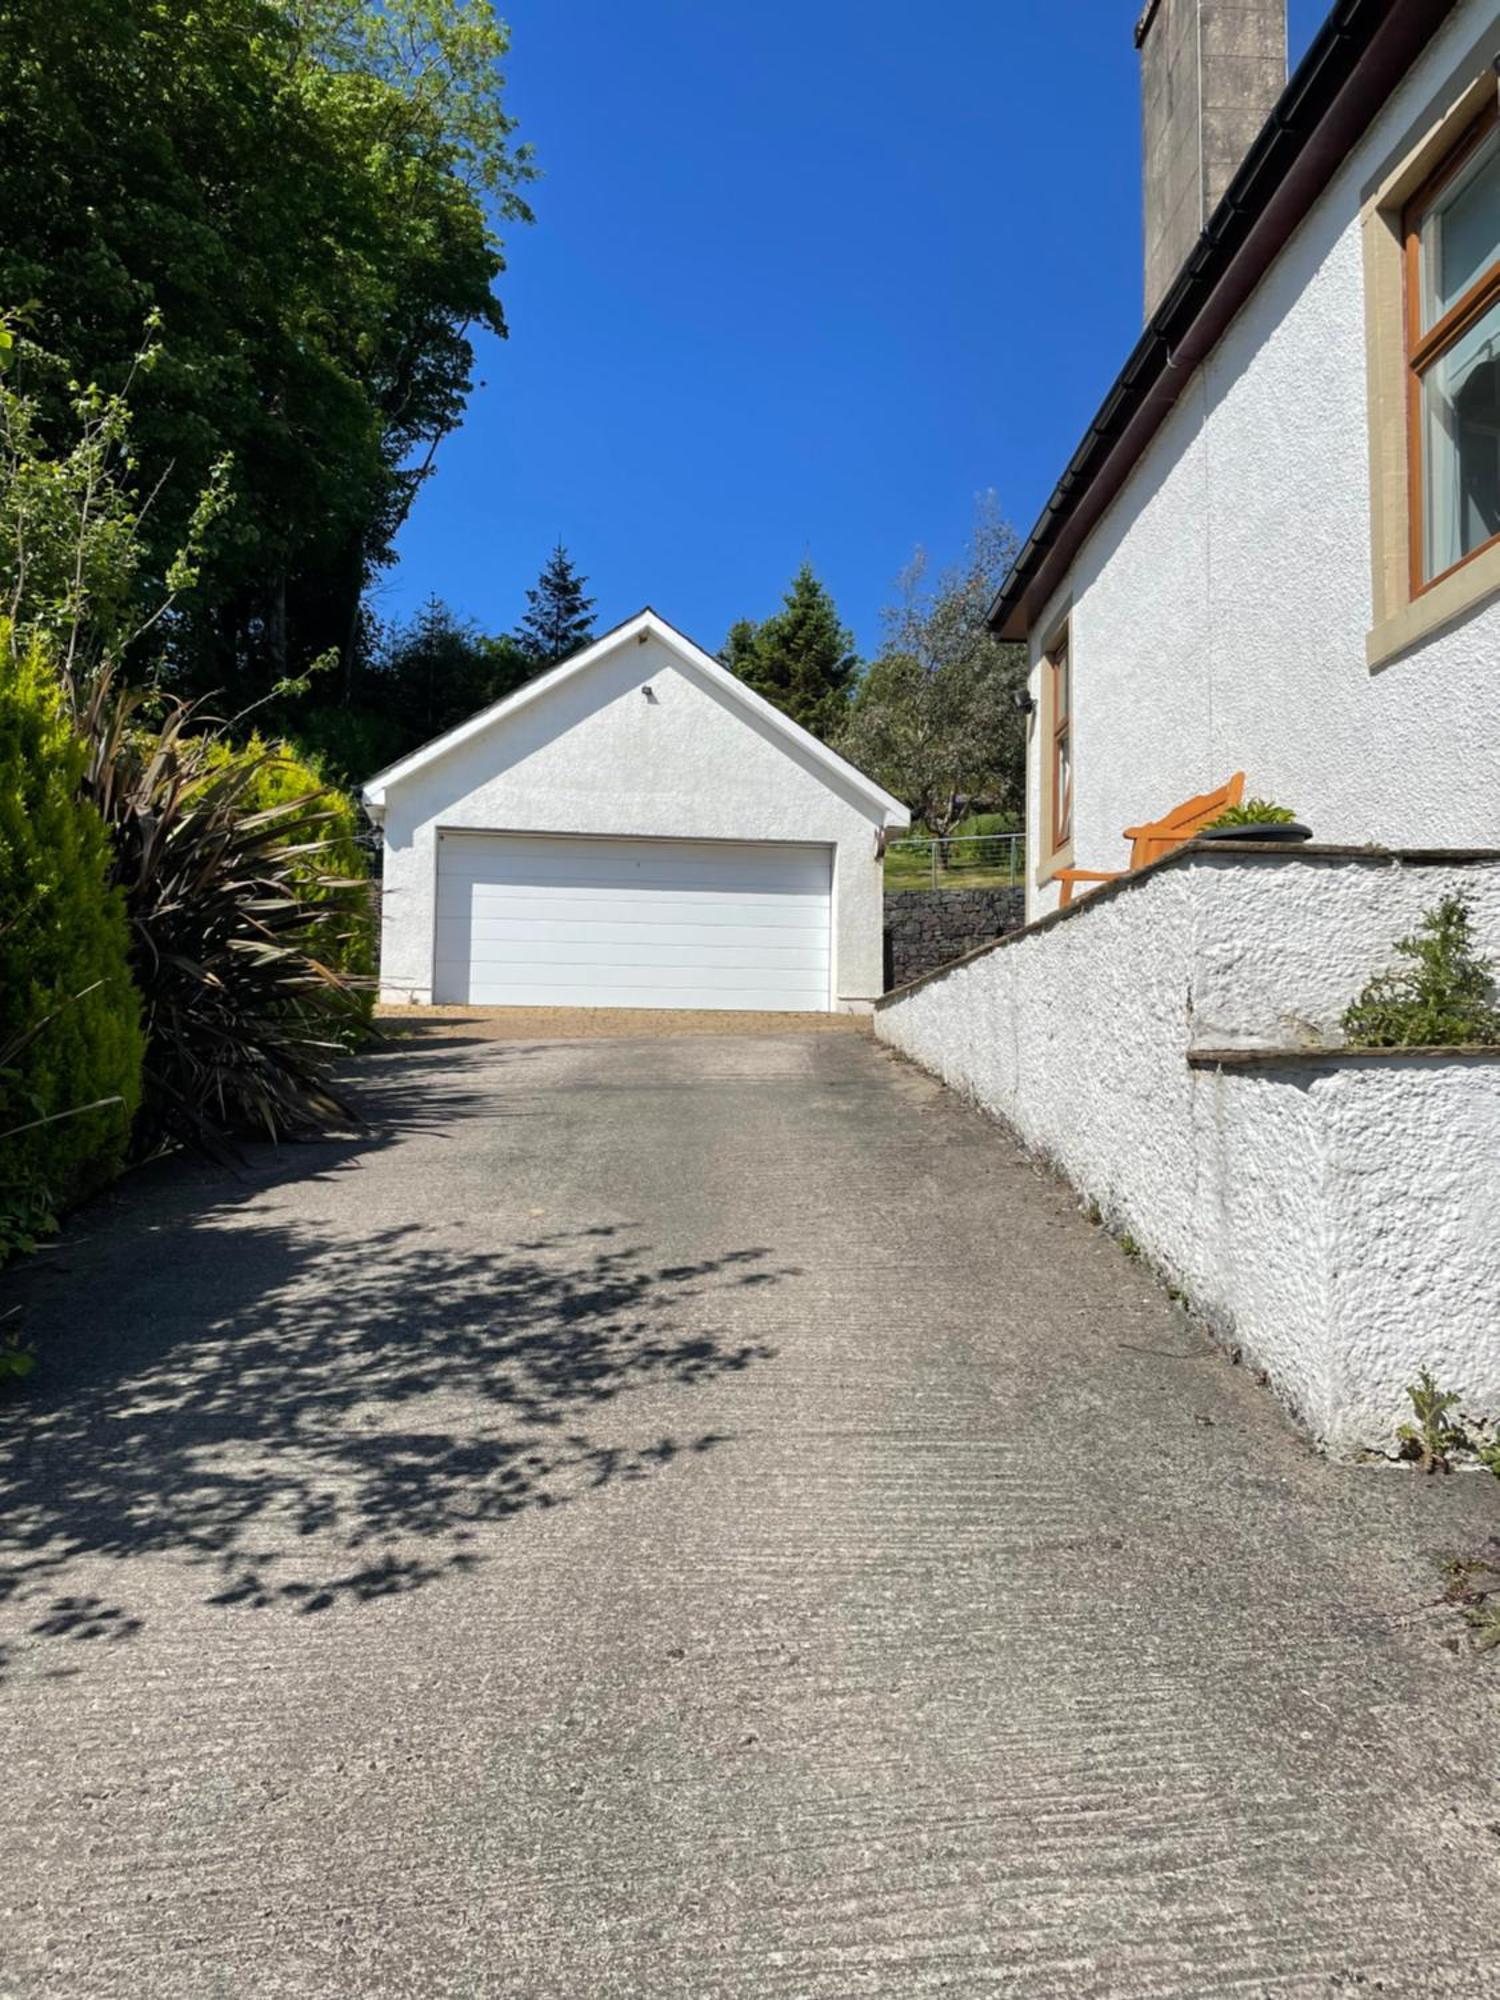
(559,618)
(310,194)
(70,526)
(801,657)
(1443,995)
(934,717)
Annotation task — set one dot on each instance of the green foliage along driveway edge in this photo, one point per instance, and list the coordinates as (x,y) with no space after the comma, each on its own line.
(70,1033)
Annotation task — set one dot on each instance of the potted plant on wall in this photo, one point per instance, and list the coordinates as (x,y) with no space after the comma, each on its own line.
(1255,819)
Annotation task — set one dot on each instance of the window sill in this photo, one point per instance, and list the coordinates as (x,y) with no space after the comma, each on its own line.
(1444,604)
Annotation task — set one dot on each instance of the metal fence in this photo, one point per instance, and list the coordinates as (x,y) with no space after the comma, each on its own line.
(963,860)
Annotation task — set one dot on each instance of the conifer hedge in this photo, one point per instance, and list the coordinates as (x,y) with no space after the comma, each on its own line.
(70,1035)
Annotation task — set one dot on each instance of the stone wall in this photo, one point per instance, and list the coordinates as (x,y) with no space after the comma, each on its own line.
(925,928)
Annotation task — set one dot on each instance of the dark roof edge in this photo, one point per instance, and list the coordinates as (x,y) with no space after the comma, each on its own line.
(1334,96)
(1147,16)
(379,777)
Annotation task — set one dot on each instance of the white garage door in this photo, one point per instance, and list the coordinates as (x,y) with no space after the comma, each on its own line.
(527,921)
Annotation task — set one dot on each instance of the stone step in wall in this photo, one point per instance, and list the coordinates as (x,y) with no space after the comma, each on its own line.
(925,928)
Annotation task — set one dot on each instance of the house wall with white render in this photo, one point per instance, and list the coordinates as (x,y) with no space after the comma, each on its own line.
(1171,1045)
(1221,610)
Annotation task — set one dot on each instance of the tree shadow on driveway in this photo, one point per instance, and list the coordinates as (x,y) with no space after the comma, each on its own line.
(316,1416)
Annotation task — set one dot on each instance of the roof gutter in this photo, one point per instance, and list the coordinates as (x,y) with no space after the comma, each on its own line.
(1358,56)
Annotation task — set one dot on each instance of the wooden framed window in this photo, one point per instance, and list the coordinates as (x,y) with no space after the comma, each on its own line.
(1060,713)
(1451,230)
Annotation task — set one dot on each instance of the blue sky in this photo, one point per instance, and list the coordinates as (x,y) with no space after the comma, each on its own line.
(804,281)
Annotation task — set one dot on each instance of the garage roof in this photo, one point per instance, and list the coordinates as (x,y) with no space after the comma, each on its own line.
(646,624)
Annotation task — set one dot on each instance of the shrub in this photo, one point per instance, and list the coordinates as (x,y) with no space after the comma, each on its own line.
(1442,998)
(1253,812)
(238,919)
(988,824)
(70,1038)
(238,924)
(278,776)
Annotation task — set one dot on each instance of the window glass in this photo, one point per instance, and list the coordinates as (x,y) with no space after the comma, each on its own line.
(1461,445)
(1064,803)
(1461,232)
(1062,745)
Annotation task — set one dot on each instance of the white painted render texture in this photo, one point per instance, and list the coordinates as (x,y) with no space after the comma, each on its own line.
(1334,1218)
(642,743)
(1219,611)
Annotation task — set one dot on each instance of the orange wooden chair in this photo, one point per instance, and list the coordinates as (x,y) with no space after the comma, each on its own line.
(1159,836)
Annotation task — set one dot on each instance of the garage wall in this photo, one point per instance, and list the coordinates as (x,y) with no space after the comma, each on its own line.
(595,756)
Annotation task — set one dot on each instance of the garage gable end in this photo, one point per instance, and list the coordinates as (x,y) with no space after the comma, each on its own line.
(565,697)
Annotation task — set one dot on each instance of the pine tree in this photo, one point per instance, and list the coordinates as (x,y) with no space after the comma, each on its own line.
(801,658)
(440,669)
(559,619)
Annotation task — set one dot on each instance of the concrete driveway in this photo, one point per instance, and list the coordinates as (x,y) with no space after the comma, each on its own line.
(701,1517)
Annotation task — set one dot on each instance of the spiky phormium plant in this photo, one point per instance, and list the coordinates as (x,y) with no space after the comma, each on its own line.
(235,928)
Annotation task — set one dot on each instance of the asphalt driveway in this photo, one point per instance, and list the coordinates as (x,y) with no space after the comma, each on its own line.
(700,1517)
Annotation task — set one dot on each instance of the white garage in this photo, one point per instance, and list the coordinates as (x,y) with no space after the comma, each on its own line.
(635,828)
(533,920)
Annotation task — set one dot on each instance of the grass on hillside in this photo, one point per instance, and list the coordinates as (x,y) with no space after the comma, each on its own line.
(968,866)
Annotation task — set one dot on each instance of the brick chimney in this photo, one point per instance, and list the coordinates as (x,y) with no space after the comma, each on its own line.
(1210,72)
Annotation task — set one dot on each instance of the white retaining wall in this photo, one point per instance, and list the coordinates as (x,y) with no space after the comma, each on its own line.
(1337,1218)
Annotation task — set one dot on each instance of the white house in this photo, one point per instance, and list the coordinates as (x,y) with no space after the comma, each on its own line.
(634,828)
(1277,548)
(1276,551)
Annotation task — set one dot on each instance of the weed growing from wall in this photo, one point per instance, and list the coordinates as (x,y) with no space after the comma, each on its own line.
(1434,1437)
(1443,996)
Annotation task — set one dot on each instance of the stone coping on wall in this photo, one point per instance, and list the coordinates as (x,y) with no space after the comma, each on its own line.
(1285,852)
(1267,1056)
